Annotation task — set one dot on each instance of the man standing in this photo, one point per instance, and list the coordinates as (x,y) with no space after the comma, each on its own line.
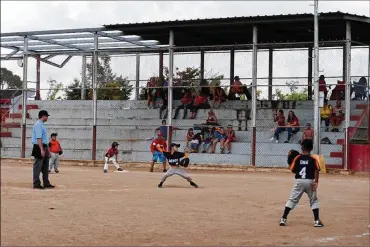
(40,152)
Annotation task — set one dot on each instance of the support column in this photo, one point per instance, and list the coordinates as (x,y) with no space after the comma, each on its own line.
(347,79)
(95,98)
(368,94)
(24,97)
(83,79)
(316,110)
(271,52)
(137,87)
(170,87)
(160,72)
(309,76)
(202,65)
(38,79)
(254,95)
(232,66)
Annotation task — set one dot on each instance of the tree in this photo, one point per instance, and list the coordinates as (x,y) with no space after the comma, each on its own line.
(294,93)
(73,91)
(9,80)
(54,89)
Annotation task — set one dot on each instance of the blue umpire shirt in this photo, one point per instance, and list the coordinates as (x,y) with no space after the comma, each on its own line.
(39,131)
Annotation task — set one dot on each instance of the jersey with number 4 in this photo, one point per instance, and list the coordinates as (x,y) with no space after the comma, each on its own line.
(305,166)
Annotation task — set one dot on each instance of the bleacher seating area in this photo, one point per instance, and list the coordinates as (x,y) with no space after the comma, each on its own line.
(130,123)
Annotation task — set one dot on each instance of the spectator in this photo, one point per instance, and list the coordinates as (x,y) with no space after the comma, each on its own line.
(218,94)
(307,133)
(280,119)
(151,91)
(186,103)
(195,142)
(337,116)
(189,136)
(325,114)
(360,89)
(163,102)
(293,125)
(208,137)
(200,102)
(230,138)
(237,88)
(204,90)
(163,129)
(322,86)
(55,151)
(220,136)
(339,91)
(212,119)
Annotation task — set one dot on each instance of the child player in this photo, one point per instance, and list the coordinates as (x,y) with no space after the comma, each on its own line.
(157,147)
(306,169)
(112,155)
(176,165)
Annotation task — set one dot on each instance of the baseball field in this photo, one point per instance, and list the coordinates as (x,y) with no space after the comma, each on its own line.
(88,207)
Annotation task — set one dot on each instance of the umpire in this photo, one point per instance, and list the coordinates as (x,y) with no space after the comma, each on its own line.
(40,152)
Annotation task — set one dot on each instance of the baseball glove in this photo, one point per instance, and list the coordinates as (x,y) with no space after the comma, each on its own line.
(291,155)
(60,152)
(184,162)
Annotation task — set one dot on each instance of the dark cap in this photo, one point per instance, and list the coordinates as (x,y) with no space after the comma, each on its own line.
(54,134)
(115,144)
(43,113)
(236,78)
(174,145)
(307,144)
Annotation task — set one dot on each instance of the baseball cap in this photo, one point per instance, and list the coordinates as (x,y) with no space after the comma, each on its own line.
(174,145)
(307,144)
(54,134)
(43,113)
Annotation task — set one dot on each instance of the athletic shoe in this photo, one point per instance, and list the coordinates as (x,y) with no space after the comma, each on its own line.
(56,171)
(318,223)
(229,152)
(194,184)
(151,170)
(282,222)
(272,138)
(160,185)
(105,171)
(119,169)
(164,170)
(49,186)
(286,141)
(277,141)
(39,187)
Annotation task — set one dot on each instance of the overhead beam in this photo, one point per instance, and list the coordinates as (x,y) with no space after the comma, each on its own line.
(12,53)
(52,63)
(79,30)
(55,43)
(63,36)
(102,34)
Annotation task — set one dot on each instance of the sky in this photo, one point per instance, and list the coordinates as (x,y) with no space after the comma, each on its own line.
(46,15)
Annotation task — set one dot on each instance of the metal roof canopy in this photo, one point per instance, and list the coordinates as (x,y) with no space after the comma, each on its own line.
(71,42)
(223,32)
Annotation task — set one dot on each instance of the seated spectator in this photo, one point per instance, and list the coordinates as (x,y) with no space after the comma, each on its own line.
(212,119)
(163,102)
(307,133)
(339,92)
(230,138)
(220,136)
(280,119)
(163,129)
(208,137)
(322,86)
(337,116)
(200,102)
(325,114)
(186,103)
(360,89)
(218,94)
(204,87)
(293,125)
(196,142)
(151,91)
(189,136)
(236,88)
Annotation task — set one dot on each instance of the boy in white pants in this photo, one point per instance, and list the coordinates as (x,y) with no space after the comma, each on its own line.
(112,155)
(55,151)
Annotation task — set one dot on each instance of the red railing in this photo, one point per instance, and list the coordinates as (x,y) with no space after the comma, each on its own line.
(6,111)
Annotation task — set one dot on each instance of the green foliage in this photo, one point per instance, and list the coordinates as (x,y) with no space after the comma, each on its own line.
(73,91)
(9,80)
(294,93)
(54,88)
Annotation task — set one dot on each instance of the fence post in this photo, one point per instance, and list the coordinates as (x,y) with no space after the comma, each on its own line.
(254,95)
(24,97)
(38,79)
(94,85)
(170,88)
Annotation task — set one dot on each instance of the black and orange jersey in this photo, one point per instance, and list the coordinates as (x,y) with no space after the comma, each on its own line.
(304,166)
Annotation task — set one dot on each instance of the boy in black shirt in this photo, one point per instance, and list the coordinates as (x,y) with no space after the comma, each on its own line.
(306,169)
(173,157)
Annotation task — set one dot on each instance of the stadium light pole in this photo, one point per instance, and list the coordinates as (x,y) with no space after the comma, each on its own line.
(24,97)
(316,80)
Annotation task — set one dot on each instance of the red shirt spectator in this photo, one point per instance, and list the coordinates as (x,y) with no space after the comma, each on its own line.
(187,99)
(200,99)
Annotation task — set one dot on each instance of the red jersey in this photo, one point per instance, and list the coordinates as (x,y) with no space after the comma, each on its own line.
(54,146)
(161,142)
(280,120)
(322,86)
(200,100)
(294,122)
(111,152)
(187,99)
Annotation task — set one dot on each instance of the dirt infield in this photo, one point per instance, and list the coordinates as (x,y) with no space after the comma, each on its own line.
(92,208)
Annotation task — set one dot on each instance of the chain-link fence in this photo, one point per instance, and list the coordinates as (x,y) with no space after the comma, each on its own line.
(215,88)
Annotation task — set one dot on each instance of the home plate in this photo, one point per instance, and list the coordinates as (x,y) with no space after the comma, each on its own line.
(122,171)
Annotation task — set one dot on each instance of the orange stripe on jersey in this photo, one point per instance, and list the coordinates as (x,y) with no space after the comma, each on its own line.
(293,162)
(317,162)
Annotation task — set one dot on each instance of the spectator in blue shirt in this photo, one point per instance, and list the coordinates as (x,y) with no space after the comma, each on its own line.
(40,151)
(220,137)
